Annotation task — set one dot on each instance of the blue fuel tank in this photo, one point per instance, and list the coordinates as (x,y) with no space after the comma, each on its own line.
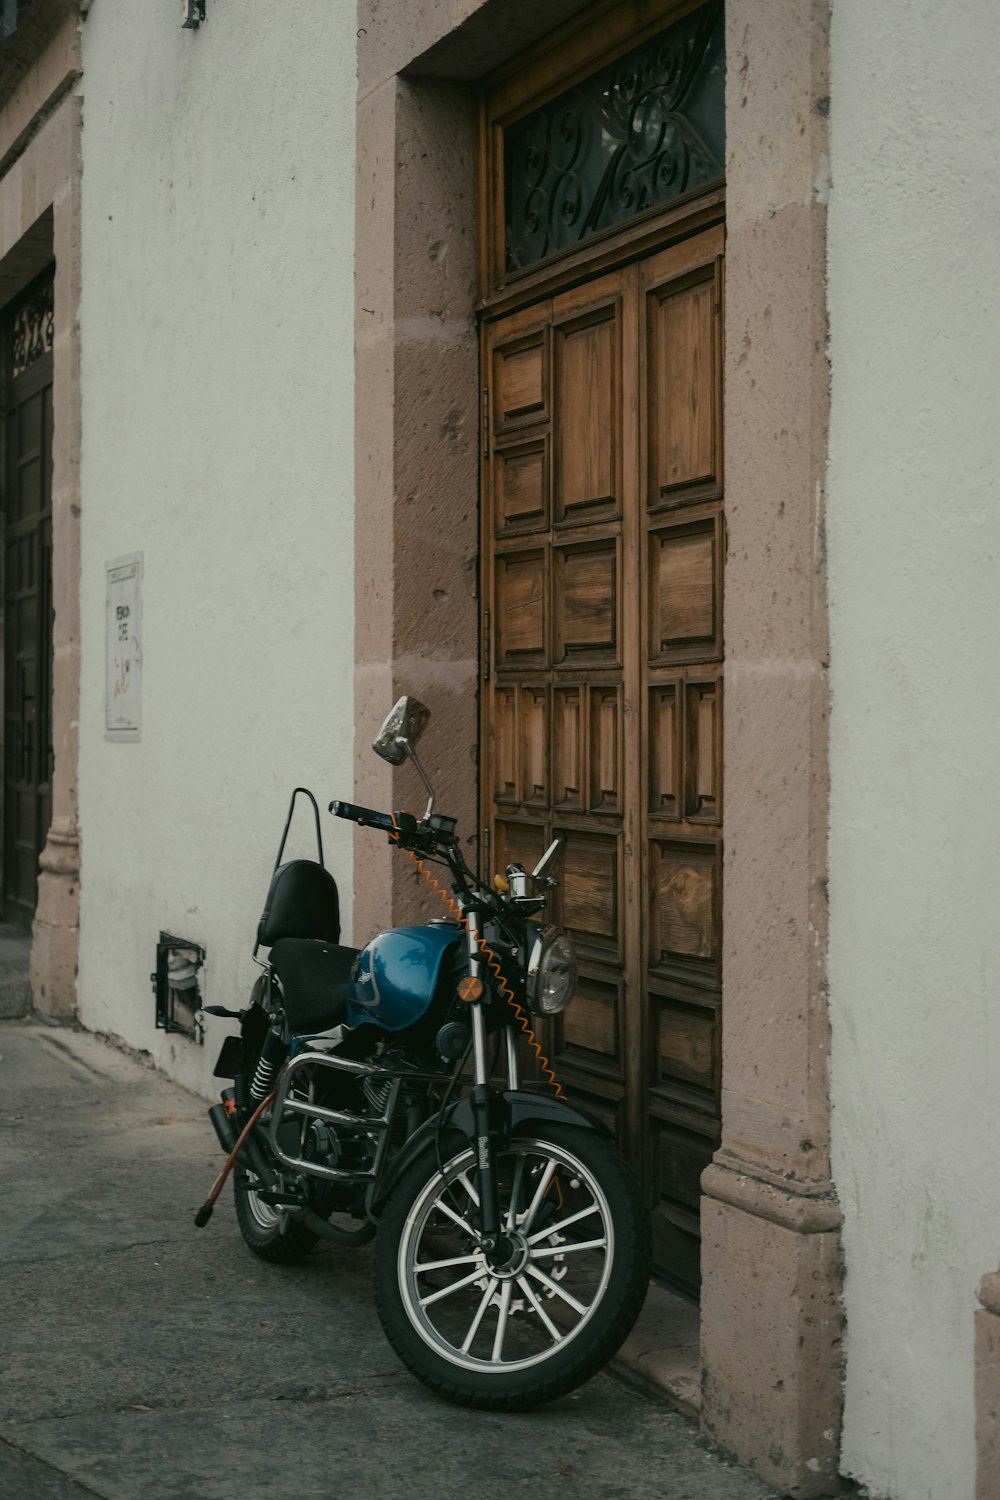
(396,975)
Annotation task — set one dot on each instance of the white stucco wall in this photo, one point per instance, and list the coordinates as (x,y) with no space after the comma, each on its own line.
(217,335)
(914,543)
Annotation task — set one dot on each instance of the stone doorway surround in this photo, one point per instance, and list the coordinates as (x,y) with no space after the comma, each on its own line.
(40,124)
(771,1321)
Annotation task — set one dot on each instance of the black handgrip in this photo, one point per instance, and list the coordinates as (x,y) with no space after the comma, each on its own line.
(366,816)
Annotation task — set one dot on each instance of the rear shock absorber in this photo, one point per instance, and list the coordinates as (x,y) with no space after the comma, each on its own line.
(272,1055)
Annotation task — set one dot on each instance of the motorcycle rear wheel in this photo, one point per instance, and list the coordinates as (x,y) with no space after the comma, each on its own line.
(273,1236)
(510,1338)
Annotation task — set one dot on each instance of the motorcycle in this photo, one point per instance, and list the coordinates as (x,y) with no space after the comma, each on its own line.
(512,1249)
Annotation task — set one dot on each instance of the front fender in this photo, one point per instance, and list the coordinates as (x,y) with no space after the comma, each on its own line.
(516,1111)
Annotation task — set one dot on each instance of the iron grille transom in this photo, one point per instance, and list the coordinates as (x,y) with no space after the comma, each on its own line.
(638,133)
(32,328)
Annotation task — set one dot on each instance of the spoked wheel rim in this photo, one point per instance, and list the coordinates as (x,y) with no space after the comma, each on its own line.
(263,1214)
(493,1319)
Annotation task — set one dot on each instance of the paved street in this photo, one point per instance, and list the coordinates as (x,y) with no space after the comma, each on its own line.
(140,1357)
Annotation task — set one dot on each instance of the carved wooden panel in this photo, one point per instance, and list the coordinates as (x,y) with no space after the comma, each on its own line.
(681,1161)
(603,694)
(684,893)
(518,844)
(590,893)
(703,751)
(505,746)
(665,750)
(585,602)
(678,1156)
(535,747)
(606,789)
(688,1053)
(567,748)
(520,487)
(685,592)
(520,381)
(607,1107)
(520,609)
(685,391)
(586,360)
(592,1024)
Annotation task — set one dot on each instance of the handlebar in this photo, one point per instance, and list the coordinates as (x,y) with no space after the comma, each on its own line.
(366,816)
(434,836)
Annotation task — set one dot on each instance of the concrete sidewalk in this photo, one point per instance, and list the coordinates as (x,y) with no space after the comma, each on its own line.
(142,1359)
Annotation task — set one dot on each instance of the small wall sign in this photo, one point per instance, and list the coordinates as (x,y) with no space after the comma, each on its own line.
(123,682)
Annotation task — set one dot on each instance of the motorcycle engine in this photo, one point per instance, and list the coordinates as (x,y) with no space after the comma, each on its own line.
(409,1111)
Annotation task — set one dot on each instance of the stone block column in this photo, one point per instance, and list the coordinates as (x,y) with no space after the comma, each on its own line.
(771,1315)
(416,464)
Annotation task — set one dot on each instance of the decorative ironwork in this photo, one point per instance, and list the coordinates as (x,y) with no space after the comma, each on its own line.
(640,132)
(32,329)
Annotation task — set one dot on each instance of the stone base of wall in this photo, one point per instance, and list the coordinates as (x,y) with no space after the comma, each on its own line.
(55,943)
(771,1338)
(988,1390)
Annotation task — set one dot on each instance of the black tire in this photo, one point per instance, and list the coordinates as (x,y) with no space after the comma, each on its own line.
(547,1361)
(273,1237)
(261,1227)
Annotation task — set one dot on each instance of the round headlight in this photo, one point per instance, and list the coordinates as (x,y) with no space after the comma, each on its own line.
(552,972)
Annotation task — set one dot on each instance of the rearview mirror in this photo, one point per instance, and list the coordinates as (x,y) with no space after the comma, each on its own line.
(404,724)
(540,871)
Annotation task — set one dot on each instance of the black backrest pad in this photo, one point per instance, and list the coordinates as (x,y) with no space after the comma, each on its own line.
(302,903)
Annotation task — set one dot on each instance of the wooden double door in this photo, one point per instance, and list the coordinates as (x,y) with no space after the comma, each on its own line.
(27,599)
(603,548)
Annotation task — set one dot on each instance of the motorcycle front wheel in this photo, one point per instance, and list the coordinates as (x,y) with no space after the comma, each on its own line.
(510,1335)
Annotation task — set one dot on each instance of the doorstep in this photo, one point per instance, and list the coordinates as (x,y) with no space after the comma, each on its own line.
(663,1352)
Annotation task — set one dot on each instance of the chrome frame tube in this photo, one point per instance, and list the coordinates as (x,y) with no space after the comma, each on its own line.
(479,1043)
(475,954)
(369,1124)
(478,1019)
(423,777)
(513,1063)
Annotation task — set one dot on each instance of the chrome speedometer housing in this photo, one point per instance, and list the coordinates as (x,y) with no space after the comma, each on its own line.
(552,972)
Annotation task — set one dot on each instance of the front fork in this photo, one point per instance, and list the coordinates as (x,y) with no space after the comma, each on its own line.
(487,1106)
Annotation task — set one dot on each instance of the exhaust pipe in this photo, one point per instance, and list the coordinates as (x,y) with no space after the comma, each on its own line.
(225,1126)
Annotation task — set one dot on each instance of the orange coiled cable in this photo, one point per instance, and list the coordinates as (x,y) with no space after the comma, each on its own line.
(546,1067)
(204,1213)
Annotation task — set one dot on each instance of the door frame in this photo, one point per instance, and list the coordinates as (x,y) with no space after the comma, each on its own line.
(771,1320)
(514,91)
(40,223)
(36,376)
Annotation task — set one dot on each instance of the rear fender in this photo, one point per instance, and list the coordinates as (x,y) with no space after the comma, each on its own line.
(516,1111)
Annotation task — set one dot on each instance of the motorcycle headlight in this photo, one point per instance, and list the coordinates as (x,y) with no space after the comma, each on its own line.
(552,972)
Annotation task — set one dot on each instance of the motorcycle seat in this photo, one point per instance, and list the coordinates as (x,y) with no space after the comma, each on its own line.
(314,976)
